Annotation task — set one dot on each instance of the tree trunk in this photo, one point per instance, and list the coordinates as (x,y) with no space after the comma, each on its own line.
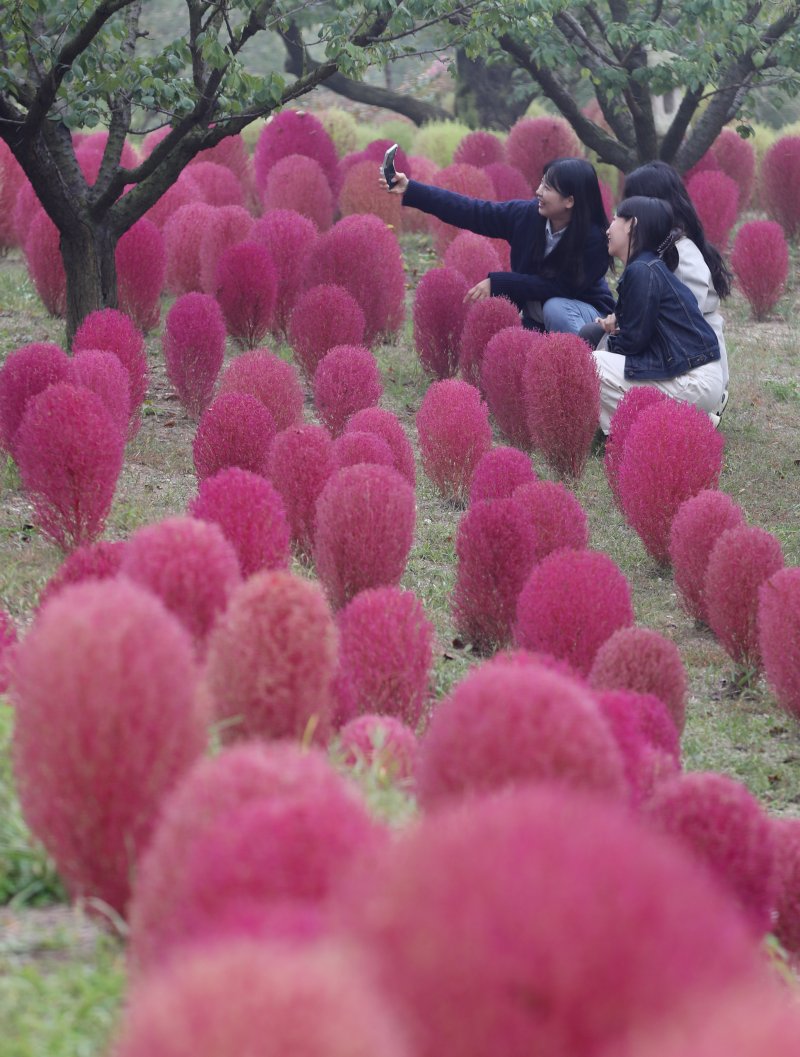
(89,261)
(486,96)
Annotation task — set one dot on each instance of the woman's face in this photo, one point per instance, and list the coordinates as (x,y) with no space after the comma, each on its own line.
(619,237)
(555,207)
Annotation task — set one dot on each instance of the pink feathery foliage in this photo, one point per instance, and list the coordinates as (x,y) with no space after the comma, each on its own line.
(786,834)
(94,561)
(647,738)
(495,551)
(323,317)
(103,373)
(141,271)
(12,177)
(671,453)
(715,196)
(508,182)
(271,380)
(95,748)
(608,197)
(365,518)
(535,141)
(484,319)
(194,349)
(741,560)
(760,261)
(232,152)
(235,430)
(272,658)
(357,446)
(251,515)
(45,266)
(69,451)
(225,227)
(363,255)
(424,170)
(778,179)
(26,372)
(499,473)
(707,163)
(218,185)
(562,398)
(628,410)
(115,332)
(299,183)
(380,741)
(724,826)
(571,604)
(386,653)
(361,193)
(501,381)
(183,233)
(189,565)
(464,180)
(347,380)
(557,518)
(508,724)
(445,911)
(454,434)
(736,157)
(641,660)
(290,239)
(439,313)
(479,149)
(182,193)
(291,133)
(695,529)
(26,208)
(388,427)
(8,642)
(375,151)
(779,636)
(300,463)
(472,255)
(246,286)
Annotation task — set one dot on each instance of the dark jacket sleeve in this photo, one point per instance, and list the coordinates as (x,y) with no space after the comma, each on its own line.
(638,310)
(520,288)
(495,219)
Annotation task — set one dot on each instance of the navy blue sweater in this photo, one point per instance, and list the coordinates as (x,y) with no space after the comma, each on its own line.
(521,225)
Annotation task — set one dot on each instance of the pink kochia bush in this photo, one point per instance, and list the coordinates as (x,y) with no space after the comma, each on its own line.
(386,653)
(454,434)
(671,453)
(628,410)
(103,373)
(246,286)
(251,515)
(779,636)
(236,430)
(380,741)
(786,834)
(715,196)
(290,239)
(501,382)
(760,260)
(12,178)
(479,149)
(194,349)
(347,380)
(736,157)
(464,180)
(778,182)
(225,227)
(364,530)
(323,317)
(388,427)
(723,824)
(271,380)
(355,447)
(558,519)
(183,233)
(472,255)
(508,181)
(141,271)
(695,529)
(26,372)
(300,463)
(562,398)
(445,912)
(115,332)
(292,133)
(45,264)
(506,724)
(69,451)
(571,604)
(94,561)
(299,183)
(483,320)
(535,141)
(439,314)
(741,560)
(218,184)
(361,193)
(647,738)
(8,640)
(272,658)
(107,721)
(499,473)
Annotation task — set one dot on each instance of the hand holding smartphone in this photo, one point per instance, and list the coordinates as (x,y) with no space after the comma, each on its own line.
(389,174)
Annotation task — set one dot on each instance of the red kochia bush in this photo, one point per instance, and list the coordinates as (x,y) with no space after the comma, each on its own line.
(8,640)
(439,314)
(364,530)
(380,741)
(103,373)
(233,153)
(454,433)
(723,824)
(218,184)
(182,193)
(290,239)
(115,332)
(95,561)
(347,379)
(641,660)
(361,193)
(507,181)
(741,560)
(12,178)
(246,288)
(226,226)
(141,270)
(26,208)
(194,349)
(388,427)
(299,183)
(562,398)
(695,529)
(472,255)
(558,519)
(292,133)
(535,141)
(69,452)
(628,410)
(272,658)
(464,180)
(107,721)
(760,260)
(778,182)
(715,196)
(499,473)
(672,452)
(323,317)
(647,738)
(183,232)
(300,463)
(45,265)
(779,636)
(271,380)
(501,381)
(27,371)
(386,653)
(354,447)
(573,601)
(484,319)
(251,515)
(736,157)
(786,834)
(236,430)
(479,149)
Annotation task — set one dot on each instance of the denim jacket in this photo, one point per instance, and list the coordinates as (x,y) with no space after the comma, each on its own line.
(662,333)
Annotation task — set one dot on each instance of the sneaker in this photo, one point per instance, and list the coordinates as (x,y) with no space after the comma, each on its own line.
(715,416)
(722,404)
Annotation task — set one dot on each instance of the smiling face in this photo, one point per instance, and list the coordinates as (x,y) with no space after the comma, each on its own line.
(555,207)
(619,237)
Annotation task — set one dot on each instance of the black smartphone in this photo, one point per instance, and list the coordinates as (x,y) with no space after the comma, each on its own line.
(389,174)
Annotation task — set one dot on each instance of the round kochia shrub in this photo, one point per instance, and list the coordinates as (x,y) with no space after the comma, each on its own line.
(355,447)
(8,640)
(45,264)
(347,380)
(736,157)
(647,738)
(292,133)
(141,270)
(271,380)
(484,319)
(361,193)
(298,183)
(224,228)
(557,518)
(786,835)
(535,141)
(236,430)
(464,180)
(12,177)
(27,371)
(508,182)
(439,315)
(779,636)
(760,261)
(499,473)
(502,381)
(103,373)
(388,427)
(454,434)
(572,602)
(113,331)
(472,255)
(446,913)
(95,748)
(246,286)
(290,239)
(778,181)
(271,659)
(194,349)
(628,410)
(323,317)
(95,561)
(365,518)
(183,233)
(380,741)
(479,149)
(300,463)
(715,196)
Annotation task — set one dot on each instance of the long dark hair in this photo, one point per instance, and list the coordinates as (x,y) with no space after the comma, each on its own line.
(575,177)
(657,179)
(653,228)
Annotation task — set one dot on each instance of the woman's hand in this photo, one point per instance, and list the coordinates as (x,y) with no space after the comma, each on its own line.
(401,182)
(608,323)
(479,292)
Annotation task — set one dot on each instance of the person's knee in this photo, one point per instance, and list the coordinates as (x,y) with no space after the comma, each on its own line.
(557,315)
(592,334)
